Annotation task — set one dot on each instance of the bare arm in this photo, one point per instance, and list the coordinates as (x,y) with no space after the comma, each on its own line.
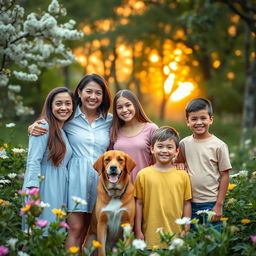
(36,130)
(187,212)
(138,218)
(224,181)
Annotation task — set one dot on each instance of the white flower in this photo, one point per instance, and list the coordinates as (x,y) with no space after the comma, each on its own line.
(12,175)
(14,88)
(10,125)
(243,173)
(54,7)
(139,244)
(20,253)
(43,205)
(79,200)
(159,230)
(203,212)
(3,154)
(12,242)
(5,181)
(18,150)
(183,221)
(234,175)
(176,244)
(247,142)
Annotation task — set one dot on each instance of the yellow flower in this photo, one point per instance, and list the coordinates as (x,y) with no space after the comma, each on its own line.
(231,186)
(1,200)
(249,204)
(96,244)
(5,145)
(231,201)
(125,225)
(194,221)
(26,208)
(245,221)
(155,247)
(223,219)
(59,212)
(73,249)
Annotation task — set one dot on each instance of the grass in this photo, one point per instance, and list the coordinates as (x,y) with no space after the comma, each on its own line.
(229,132)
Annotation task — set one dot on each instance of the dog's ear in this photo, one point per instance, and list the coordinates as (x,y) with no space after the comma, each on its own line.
(98,165)
(130,164)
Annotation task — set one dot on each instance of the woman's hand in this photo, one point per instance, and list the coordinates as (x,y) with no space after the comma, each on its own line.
(36,130)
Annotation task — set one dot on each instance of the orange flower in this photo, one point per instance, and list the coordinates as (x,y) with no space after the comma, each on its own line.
(73,249)
(245,221)
(223,219)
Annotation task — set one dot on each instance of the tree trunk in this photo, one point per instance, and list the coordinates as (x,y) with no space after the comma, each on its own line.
(66,74)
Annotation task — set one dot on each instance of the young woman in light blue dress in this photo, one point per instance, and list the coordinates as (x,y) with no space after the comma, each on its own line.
(88,134)
(49,154)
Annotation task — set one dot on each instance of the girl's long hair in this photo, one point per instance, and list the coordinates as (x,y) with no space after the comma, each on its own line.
(56,144)
(106,100)
(139,112)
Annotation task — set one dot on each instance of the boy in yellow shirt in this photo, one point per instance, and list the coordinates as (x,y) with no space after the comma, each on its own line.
(162,192)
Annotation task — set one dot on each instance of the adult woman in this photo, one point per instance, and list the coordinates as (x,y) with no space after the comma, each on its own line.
(131,130)
(88,134)
(49,154)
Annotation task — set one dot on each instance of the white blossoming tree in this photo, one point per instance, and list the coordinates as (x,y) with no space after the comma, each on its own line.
(28,44)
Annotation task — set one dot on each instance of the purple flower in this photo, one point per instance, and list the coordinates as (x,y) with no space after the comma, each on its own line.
(22,213)
(42,223)
(253,238)
(3,250)
(33,191)
(64,224)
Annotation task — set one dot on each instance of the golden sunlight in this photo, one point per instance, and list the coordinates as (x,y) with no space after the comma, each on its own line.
(182,91)
(168,84)
(154,58)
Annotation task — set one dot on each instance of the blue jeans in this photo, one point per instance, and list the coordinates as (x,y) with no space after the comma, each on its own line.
(204,206)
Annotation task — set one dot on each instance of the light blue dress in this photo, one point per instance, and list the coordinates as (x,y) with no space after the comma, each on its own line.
(54,187)
(88,142)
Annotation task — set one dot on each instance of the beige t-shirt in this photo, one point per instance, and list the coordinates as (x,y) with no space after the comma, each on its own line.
(163,195)
(205,160)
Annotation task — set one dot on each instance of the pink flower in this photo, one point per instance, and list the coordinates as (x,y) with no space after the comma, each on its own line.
(22,213)
(253,238)
(42,223)
(64,224)
(3,250)
(33,191)
(22,192)
(37,202)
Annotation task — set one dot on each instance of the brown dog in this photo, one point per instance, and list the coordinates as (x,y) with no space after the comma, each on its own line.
(115,203)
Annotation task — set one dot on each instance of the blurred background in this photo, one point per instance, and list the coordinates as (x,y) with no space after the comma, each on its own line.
(167,52)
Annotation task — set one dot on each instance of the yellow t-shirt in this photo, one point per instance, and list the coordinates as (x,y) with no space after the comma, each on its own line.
(163,195)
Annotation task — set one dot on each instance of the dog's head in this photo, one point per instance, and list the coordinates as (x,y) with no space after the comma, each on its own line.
(113,165)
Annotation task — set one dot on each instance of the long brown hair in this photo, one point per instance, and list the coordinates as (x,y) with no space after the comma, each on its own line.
(139,112)
(56,144)
(106,100)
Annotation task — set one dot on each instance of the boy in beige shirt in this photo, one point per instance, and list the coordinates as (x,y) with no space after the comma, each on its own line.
(207,159)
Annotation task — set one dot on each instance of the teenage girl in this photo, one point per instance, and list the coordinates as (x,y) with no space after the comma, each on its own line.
(131,130)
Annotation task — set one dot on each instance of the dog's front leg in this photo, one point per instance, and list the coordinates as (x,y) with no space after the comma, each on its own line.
(102,233)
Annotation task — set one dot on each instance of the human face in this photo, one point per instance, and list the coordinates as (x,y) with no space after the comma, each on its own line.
(62,106)
(164,151)
(199,122)
(91,96)
(125,109)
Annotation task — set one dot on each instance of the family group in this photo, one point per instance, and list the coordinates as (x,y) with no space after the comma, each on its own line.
(74,130)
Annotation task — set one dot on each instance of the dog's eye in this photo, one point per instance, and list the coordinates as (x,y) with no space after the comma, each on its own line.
(120,160)
(107,160)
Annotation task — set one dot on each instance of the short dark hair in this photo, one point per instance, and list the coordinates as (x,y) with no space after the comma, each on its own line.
(199,104)
(164,133)
(106,101)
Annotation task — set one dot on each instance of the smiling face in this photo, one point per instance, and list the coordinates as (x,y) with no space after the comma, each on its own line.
(62,106)
(91,96)
(199,122)
(164,151)
(125,109)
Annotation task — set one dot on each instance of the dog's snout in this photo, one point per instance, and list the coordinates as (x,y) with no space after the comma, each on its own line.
(113,168)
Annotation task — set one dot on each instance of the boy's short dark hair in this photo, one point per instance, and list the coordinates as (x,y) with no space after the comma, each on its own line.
(199,104)
(164,133)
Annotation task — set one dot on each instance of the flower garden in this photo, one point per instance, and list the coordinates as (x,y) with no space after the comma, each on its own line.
(238,236)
